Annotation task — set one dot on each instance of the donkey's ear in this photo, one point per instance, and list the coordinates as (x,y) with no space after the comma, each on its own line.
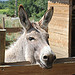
(46,19)
(24,18)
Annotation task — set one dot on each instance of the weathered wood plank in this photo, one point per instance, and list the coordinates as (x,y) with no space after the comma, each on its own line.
(64,66)
(61,10)
(3,22)
(56,3)
(59,51)
(61,15)
(65,60)
(58,27)
(59,69)
(13,30)
(59,23)
(16,63)
(59,42)
(60,31)
(2,45)
(58,39)
(70,28)
(1,27)
(59,1)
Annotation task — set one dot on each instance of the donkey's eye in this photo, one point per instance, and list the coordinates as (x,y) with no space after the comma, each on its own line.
(31,38)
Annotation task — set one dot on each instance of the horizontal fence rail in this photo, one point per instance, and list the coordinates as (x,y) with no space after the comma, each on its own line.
(14,29)
(64,66)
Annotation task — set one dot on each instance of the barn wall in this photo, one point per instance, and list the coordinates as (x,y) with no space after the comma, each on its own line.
(59,27)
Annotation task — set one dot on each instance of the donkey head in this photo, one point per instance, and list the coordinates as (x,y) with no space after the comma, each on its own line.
(37,49)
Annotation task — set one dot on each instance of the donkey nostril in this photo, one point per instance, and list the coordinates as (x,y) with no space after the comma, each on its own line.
(54,57)
(45,57)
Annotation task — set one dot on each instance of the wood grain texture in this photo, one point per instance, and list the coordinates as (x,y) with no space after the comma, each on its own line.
(59,69)
(58,40)
(64,66)
(58,28)
(70,28)
(2,45)
(59,51)
(13,30)
(3,22)
(60,1)
(61,10)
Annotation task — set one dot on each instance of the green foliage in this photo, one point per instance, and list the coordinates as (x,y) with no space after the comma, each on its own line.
(3,11)
(11,7)
(3,4)
(34,8)
(3,7)
(11,12)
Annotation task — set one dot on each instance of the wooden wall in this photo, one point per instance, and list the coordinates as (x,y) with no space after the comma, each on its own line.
(59,27)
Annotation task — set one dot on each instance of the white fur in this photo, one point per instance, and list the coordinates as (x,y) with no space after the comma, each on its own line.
(15,51)
(46,51)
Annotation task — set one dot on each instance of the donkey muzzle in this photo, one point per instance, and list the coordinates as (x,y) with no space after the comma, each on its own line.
(48,60)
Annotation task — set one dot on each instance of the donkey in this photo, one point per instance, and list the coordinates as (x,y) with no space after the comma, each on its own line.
(33,45)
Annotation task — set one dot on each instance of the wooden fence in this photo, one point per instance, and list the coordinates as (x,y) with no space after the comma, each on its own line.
(13,30)
(10,31)
(61,67)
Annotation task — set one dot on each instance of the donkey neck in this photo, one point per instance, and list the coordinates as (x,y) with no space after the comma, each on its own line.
(18,45)
(17,51)
(20,42)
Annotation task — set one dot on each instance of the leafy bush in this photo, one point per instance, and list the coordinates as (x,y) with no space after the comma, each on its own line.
(3,11)
(34,8)
(10,12)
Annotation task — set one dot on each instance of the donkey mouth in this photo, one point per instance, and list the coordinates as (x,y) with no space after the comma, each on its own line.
(46,66)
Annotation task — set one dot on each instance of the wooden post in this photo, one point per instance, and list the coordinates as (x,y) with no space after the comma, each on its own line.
(70,28)
(15,8)
(3,23)
(2,45)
